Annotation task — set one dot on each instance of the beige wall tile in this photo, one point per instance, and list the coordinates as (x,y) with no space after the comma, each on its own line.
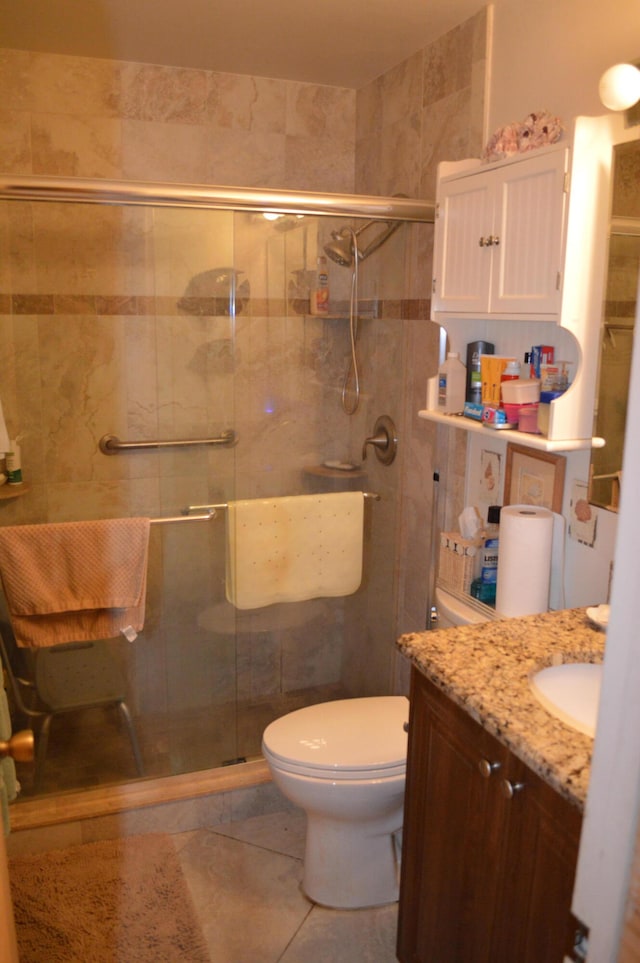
(76,146)
(247,103)
(16,82)
(320,111)
(164,151)
(311,161)
(165,94)
(240,157)
(75,86)
(15,142)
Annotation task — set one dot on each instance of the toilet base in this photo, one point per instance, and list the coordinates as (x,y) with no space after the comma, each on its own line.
(349,866)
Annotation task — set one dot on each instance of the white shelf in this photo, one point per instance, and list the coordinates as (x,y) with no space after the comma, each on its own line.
(520,437)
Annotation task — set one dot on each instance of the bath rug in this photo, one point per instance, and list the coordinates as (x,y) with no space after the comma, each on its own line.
(116,901)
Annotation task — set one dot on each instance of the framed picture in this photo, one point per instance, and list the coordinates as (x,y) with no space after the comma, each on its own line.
(534,477)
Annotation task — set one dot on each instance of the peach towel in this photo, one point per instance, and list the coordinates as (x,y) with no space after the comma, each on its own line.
(73,581)
(293,548)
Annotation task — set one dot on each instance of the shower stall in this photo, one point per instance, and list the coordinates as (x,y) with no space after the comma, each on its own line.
(157,358)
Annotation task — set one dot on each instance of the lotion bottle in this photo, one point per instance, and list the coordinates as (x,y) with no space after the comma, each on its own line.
(319,294)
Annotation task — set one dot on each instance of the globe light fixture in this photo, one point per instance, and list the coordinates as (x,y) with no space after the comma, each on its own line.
(619,87)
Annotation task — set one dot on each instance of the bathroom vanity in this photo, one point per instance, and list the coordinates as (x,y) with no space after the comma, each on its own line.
(494,794)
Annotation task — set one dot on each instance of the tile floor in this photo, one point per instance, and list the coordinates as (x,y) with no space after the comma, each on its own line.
(245,878)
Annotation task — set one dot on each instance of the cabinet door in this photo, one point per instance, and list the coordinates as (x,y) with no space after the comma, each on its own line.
(534,899)
(450,852)
(462,259)
(528,236)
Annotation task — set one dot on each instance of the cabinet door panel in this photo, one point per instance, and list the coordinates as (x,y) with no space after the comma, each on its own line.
(534,899)
(462,266)
(450,860)
(528,258)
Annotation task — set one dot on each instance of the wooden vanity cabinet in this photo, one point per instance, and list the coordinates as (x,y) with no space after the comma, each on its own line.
(486,878)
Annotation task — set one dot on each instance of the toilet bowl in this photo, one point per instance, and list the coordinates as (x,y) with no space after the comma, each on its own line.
(344,763)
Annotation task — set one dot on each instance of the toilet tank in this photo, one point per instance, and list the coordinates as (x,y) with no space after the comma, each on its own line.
(454,610)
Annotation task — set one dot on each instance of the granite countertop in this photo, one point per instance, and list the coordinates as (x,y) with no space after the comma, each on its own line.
(485,668)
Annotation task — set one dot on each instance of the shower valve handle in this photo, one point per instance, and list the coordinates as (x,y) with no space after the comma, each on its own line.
(384,440)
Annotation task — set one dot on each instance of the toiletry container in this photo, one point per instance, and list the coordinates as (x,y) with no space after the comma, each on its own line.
(14,464)
(319,294)
(475,349)
(452,378)
(510,373)
(483,588)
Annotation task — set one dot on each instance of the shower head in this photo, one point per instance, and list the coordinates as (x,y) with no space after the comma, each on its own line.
(340,249)
(345,242)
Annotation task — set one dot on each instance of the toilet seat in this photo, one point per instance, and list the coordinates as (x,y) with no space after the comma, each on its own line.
(351,738)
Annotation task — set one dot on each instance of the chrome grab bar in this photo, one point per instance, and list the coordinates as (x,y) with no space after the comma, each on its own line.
(221,506)
(186,516)
(111,444)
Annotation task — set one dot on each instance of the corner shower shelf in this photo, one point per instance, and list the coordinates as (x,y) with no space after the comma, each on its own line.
(522,437)
(13,491)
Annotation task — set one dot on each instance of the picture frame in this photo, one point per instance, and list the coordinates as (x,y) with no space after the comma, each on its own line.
(534,477)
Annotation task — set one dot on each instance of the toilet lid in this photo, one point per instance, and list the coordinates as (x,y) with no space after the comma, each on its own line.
(348,734)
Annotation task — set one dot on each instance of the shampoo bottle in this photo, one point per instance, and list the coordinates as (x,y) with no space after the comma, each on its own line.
(319,294)
(452,377)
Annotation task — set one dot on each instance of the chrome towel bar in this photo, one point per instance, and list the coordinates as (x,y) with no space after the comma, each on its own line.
(221,506)
(186,516)
(111,444)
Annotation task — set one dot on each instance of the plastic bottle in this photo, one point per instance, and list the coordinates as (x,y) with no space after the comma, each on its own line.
(319,294)
(474,377)
(452,377)
(510,373)
(483,588)
(14,464)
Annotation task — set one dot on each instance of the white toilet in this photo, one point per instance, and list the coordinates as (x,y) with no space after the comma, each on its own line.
(344,763)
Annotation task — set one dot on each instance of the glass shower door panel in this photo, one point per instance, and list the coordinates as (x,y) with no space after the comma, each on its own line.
(196,283)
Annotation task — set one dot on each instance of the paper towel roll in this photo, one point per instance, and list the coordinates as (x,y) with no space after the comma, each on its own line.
(524,560)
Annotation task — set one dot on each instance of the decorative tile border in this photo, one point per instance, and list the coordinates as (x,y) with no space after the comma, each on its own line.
(145,305)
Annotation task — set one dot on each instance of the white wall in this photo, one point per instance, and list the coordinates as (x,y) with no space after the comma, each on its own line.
(549,54)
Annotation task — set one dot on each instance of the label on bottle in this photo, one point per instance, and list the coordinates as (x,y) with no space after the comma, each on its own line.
(489,561)
(442,390)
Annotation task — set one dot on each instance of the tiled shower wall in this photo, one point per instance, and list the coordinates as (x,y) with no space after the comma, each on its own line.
(90,118)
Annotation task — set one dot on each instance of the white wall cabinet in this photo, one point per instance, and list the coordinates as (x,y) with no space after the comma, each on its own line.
(499,238)
(519,259)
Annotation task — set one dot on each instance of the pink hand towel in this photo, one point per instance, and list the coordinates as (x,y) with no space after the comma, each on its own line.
(73,581)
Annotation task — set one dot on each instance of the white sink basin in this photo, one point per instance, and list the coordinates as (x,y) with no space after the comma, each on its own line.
(570,692)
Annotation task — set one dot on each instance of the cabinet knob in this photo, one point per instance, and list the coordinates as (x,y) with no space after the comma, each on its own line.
(486,768)
(18,747)
(509,789)
(405,726)
(491,241)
